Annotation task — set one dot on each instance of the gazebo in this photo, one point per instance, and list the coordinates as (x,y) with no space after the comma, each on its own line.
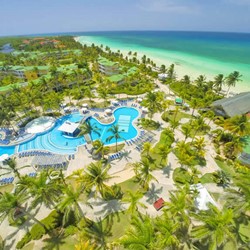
(108,111)
(69,128)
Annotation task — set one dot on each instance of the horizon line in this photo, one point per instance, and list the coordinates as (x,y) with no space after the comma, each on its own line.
(104,31)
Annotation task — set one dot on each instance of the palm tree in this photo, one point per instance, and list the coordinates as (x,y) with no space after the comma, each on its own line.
(88,128)
(116,134)
(238,125)
(218,81)
(153,102)
(10,164)
(69,204)
(163,151)
(98,232)
(146,148)
(199,144)
(143,170)
(41,189)
(96,175)
(186,79)
(140,234)
(200,81)
(99,147)
(171,72)
(232,79)
(217,229)
(133,199)
(11,203)
(186,130)
(234,147)
(168,232)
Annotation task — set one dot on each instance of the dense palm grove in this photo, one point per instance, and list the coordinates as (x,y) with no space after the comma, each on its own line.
(181,226)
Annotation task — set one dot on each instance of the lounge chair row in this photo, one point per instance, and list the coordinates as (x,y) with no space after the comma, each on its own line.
(33,174)
(6,181)
(5,141)
(33,153)
(133,105)
(71,157)
(54,166)
(115,156)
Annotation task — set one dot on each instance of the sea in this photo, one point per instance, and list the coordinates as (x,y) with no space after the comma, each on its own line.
(193,53)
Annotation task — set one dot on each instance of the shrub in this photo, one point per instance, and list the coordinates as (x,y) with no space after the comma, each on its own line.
(149,124)
(26,239)
(52,221)
(70,230)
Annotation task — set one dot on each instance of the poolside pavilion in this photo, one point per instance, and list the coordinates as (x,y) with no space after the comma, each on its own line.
(69,128)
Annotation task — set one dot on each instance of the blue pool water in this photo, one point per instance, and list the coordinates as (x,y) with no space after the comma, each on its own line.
(54,140)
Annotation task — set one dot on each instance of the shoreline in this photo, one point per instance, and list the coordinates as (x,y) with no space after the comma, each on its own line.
(184,65)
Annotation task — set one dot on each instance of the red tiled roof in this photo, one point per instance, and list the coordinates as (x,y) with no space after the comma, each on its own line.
(159,204)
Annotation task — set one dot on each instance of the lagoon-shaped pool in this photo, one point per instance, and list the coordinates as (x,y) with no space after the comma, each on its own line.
(54,140)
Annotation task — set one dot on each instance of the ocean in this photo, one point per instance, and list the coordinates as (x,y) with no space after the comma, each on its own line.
(193,53)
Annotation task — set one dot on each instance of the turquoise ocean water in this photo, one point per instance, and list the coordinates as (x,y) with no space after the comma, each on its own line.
(193,53)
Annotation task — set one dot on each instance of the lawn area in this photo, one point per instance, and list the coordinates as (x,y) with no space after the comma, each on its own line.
(29,246)
(207,178)
(227,169)
(61,243)
(170,115)
(121,221)
(6,188)
(130,185)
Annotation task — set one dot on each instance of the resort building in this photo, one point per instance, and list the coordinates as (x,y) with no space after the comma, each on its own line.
(69,128)
(232,106)
(107,67)
(25,72)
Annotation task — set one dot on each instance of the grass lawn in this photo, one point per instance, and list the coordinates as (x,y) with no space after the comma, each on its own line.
(120,223)
(61,243)
(171,114)
(227,169)
(207,178)
(29,246)
(130,185)
(6,188)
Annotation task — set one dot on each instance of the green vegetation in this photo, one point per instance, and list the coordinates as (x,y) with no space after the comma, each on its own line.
(72,75)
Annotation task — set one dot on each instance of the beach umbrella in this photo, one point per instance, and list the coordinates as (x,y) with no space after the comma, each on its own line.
(85,105)
(115,102)
(144,109)
(139,99)
(84,110)
(3,157)
(108,111)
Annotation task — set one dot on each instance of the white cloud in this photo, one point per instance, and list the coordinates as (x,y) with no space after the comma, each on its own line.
(167,6)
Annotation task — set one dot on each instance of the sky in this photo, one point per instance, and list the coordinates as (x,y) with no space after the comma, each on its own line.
(47,16)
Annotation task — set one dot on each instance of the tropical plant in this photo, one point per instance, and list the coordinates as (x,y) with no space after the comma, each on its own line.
(11,204)
(11,165)
(99,147)
(42,189)
(217,229)
(163,151)
(69,204)
(116,134)
(96,175)
(143,171)
(140,234)
(133,199)
(88,128)
(232,79)
(146,148)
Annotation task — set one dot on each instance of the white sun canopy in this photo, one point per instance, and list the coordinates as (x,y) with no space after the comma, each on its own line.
(68,127)
(203,198)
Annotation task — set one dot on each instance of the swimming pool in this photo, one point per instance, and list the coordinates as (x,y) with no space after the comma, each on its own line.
(54,140)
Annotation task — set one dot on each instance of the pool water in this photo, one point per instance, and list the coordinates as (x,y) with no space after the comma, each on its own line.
(54,140)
